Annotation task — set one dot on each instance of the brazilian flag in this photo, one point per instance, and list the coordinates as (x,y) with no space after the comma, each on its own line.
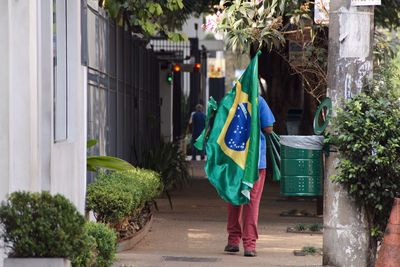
(234,140)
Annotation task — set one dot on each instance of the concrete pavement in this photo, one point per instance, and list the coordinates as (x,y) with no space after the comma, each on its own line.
(194,232)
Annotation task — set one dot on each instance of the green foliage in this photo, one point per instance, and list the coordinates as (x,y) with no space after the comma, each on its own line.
(94,163)
(367,134)
(300,227)
(315,227)
(117,195)
(87,255)
(170,162)
(251,25)
(396,78)
(386,47)
(309,250)
(146,17)
(41,225)
(100,249)
(387,15)
(105,243)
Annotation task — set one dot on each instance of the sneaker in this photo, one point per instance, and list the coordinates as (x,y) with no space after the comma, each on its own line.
(250,253)
(231,248)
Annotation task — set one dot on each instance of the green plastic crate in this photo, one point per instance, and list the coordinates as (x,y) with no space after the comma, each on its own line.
(301,172)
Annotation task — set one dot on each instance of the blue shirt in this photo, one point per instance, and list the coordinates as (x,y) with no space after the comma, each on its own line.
(266,119)
(198,123)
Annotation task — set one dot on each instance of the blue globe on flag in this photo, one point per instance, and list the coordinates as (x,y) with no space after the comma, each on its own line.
(239,129)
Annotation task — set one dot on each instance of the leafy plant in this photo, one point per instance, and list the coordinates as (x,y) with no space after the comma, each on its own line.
(117,195)
(250,24)
(388,14)
(367,134)
(309,250)
(87,255)
(94,163)
(41,225)
(300,227)
(147,18)
(100,249)
(386,47)
(105,243)
(315,227)
(170,162)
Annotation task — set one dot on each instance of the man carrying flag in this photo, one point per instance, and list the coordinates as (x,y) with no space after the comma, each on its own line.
(236,163)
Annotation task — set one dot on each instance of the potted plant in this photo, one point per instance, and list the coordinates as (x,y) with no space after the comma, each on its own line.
(40,229)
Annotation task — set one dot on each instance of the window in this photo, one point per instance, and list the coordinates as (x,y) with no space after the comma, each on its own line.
(60,70)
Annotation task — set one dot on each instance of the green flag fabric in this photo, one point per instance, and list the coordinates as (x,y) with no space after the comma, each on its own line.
(274,149)
(233,144)
(211,109)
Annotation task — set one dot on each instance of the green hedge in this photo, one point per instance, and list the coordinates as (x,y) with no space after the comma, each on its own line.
(117,195)
(101,246)
(41,225)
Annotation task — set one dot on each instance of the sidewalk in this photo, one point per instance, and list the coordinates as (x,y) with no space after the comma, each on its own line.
(194,232)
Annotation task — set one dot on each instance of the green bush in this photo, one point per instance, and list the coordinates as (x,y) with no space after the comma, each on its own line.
(300,227)
(367,134)
(170,162)
(100,249)
(309,250)
(106,243)
(315,227)
(117,195)
(87,256)
(41,225)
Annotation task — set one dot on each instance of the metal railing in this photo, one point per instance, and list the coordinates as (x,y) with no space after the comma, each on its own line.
(123,87)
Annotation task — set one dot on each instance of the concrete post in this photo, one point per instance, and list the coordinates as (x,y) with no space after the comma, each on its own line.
(346,237)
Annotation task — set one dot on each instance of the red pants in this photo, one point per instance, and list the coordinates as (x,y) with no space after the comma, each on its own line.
(243,219)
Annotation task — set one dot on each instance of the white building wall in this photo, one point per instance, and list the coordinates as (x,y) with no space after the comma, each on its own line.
(189,29)
(4,100)
(29,157)
(68,158)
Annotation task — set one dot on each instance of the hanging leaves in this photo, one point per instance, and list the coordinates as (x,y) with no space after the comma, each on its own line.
(146,18)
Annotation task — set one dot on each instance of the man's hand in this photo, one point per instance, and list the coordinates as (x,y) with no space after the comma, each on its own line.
(268,129)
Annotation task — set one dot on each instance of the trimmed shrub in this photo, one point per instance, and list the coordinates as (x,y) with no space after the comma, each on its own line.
(117,195)
(100,246)
(87,256)
(41,225)
(105,243)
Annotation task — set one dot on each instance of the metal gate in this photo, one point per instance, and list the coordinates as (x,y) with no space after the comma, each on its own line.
(189,87)
(123,94)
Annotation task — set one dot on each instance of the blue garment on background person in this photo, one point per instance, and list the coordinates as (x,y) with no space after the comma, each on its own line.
(266,119)
(198,123)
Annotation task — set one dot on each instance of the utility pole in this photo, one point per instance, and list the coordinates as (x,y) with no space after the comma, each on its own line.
(350,66)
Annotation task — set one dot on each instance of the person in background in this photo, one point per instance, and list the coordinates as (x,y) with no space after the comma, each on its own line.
(243,219)
(196,124)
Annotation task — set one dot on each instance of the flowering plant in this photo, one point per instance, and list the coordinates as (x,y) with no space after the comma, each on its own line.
(249,24)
